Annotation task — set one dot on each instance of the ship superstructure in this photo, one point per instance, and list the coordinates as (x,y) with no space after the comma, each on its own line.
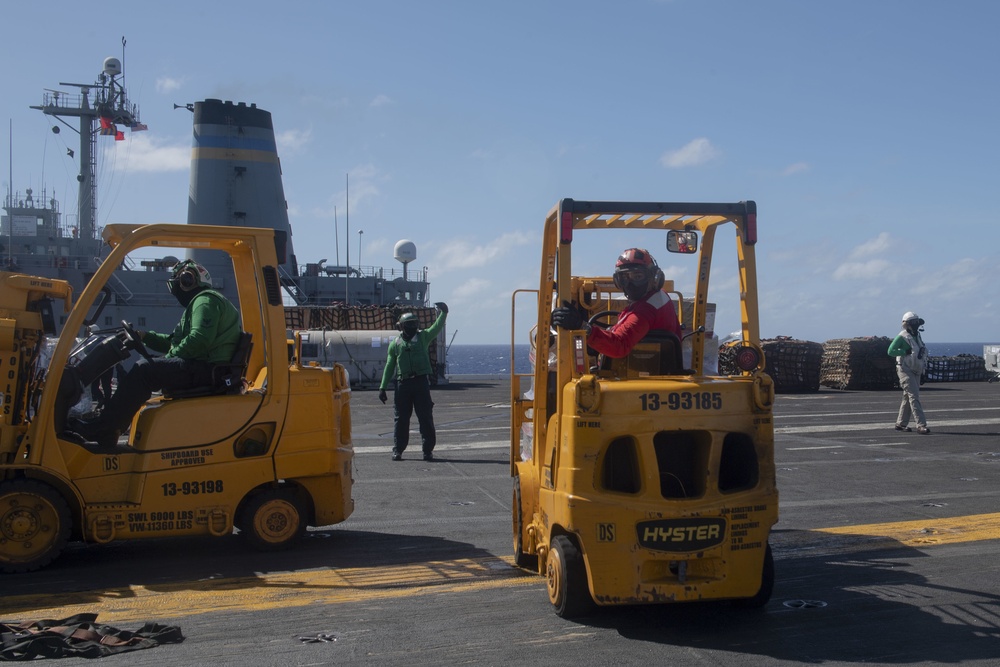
(235,180)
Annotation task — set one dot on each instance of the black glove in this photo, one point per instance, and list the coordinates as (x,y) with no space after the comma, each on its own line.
(442,306)
(567,317)
(381,395)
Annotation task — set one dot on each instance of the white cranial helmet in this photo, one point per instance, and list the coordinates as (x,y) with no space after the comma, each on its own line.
(910,315)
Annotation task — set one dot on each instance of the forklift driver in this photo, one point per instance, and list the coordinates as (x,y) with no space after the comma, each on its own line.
(649,307)
(207,334)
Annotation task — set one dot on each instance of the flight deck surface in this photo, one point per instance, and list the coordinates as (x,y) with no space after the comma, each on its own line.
(886,554)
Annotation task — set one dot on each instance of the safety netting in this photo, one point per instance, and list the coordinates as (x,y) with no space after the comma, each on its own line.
(794,365)
(961,368)
(847,363)
(340,317)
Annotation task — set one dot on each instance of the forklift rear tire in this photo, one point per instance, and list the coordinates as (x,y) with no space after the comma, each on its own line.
(521,559)
(272,520)
(766,585)
(566,575)
(34,525)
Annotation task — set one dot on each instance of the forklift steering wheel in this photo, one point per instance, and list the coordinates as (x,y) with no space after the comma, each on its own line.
(134,341)
(594,320)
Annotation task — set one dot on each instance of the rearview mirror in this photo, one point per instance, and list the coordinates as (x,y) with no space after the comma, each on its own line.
(682,242)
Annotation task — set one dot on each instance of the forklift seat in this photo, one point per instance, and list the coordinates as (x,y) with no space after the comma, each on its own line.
(658,353)
(226,378)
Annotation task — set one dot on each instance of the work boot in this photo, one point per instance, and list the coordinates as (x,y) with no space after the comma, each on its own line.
(397,455)
(107,438)
(428,456)
(923,430)
(93,430)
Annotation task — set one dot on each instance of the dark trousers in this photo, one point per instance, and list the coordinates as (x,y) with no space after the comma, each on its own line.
(100,390)
(414,394)
(138,384)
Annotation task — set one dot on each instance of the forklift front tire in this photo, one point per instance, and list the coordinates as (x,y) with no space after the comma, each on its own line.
(34,525)
(272,520)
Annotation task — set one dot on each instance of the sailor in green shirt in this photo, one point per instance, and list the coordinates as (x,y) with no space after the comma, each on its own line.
(409,364)
(207,334)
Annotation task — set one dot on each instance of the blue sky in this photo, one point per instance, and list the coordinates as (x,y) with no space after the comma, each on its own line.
(867,132)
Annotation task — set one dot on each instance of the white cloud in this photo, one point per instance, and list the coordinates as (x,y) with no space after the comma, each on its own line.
(380,101)
(696,152)
(880,244)
(166,84)
(144,153)
(873,268)
(460,254)
(796,168)
(864,262)
(362,182)
(291,142)
(964,277)
(470,288)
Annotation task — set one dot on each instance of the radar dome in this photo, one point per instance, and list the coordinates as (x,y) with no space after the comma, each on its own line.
(112,66)
(404,251)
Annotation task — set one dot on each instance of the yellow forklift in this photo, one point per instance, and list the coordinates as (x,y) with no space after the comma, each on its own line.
(648,478)
(265,448)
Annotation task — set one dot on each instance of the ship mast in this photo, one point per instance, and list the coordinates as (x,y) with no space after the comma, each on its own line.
(110,108)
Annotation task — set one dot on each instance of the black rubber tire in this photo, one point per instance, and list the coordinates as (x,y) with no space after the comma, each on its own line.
(34,525)
(763,595)
(566,578)
(272,520)
(521,559)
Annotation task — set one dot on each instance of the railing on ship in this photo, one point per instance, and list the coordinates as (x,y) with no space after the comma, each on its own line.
(379,272)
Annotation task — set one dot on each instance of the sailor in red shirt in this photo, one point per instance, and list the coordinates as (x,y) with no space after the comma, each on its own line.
(649,307)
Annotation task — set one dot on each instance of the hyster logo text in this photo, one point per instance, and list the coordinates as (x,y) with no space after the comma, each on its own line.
(681,534)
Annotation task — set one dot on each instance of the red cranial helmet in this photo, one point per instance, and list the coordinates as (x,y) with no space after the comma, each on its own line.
(637,274)
(635,257)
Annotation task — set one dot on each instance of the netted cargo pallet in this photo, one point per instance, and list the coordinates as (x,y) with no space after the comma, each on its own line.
(353,318)
(727,361)
(858,363)
(963,368)
(794,365)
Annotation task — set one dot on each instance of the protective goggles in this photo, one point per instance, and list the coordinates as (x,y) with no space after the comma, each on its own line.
(631,275)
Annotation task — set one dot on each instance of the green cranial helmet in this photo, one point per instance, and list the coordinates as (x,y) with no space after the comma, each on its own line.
(188,277)
(407,318)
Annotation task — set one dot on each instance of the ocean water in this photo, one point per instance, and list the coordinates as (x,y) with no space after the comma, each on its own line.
(495,359)
(955,349)
(486,359)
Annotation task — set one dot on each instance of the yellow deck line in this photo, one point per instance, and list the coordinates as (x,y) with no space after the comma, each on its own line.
(296,589)
(917,533)
(923,532)
(270,591)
